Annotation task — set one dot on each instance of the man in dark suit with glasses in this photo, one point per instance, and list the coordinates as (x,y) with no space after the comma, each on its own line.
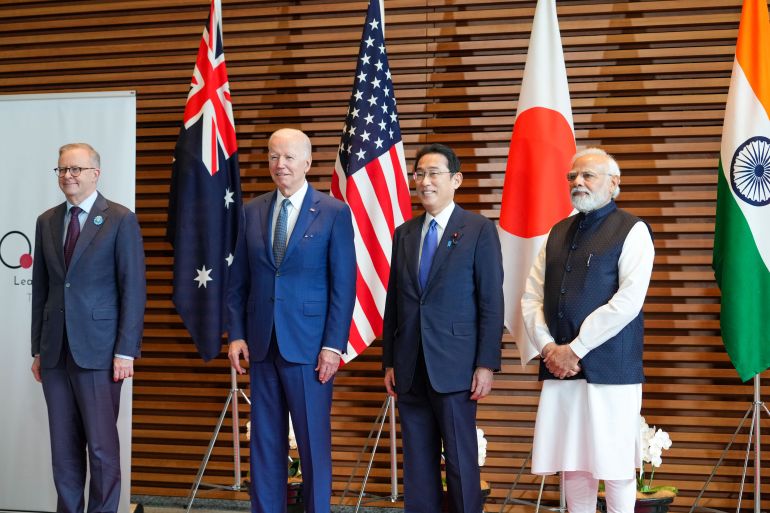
(88,298)
(441,336)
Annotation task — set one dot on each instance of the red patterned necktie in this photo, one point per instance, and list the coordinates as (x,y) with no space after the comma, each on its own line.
(73,231)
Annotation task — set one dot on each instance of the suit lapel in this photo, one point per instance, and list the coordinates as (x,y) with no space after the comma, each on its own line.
(57,232)
(454,225)
(307,214)
(90,228)
(412,249)
(266,211)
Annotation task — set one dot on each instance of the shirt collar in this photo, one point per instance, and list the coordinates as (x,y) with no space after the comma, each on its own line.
(86,205)
(442,218)
(295,199)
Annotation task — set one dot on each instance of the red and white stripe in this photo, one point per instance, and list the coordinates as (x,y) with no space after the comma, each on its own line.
(378,196)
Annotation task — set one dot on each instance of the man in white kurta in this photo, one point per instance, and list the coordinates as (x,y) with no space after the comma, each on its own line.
(582,310)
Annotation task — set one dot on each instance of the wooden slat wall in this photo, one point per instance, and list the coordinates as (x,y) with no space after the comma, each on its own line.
(648,81)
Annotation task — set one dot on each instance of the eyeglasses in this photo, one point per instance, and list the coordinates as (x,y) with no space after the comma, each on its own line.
(74,171)
(587,176)
(419,175)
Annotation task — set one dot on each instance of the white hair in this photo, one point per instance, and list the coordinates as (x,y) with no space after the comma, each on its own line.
(613,169)
(612,165)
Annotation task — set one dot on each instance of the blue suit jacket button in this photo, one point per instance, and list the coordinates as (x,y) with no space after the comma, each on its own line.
(569,268)
(67,285)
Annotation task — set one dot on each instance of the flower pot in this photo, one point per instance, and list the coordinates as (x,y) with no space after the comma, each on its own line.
(643,504)
(294,502)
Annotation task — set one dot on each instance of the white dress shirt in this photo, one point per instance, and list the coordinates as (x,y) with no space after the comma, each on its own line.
(442,218)
(86,205)
(295,204)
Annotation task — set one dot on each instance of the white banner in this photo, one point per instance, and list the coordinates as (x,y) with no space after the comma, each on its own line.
(32,130)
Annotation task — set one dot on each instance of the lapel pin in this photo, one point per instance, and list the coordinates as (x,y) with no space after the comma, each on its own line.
(312,209)
(98,220)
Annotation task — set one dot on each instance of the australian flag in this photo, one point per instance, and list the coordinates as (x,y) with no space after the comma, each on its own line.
(205,200)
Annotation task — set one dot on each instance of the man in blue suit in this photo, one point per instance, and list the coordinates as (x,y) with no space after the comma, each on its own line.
(88,297)
(290,304)
(441,336)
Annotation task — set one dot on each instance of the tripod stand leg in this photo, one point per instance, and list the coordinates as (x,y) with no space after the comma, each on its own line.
(721,459)
(746,457)
(202,468)
(516,481)
(383,409)
(540,495)
(757,448)
(374,451)
(562,503)
(236,430)
(393,466)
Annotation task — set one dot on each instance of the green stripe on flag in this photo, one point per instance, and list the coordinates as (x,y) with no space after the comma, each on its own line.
(745,283)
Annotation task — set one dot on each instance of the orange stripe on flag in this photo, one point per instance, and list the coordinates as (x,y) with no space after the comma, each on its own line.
(753,49)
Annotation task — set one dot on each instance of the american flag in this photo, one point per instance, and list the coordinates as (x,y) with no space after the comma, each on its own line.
(205,198)
(370,176)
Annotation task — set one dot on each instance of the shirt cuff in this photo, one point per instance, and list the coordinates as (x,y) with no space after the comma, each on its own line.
(333,350)
(579,348)
(124,357)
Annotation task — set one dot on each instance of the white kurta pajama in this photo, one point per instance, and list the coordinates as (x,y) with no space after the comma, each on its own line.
(581,426)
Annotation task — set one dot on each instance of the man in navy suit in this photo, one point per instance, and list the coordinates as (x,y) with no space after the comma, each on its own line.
(88,297)
(290,304)
(441,336)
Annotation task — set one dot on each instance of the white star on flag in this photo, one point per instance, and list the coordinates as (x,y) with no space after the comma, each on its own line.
(203,276)
(228,198)
(229,259)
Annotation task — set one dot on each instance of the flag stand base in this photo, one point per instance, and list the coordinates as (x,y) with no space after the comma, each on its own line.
(237,486)
(754,435)
(562,508)
(387,410)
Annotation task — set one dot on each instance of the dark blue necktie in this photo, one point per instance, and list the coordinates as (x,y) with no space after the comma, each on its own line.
(73,232)
(429,245)
(281,230)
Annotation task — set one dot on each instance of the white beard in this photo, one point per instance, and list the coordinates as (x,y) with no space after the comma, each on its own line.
(587,202)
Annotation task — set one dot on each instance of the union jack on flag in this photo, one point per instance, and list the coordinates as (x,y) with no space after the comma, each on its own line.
(205,198)
(370,176)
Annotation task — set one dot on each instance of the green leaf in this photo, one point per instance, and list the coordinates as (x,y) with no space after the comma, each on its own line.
(655,489)
(294,468)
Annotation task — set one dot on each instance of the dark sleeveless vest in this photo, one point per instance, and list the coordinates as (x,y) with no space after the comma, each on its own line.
(581,274)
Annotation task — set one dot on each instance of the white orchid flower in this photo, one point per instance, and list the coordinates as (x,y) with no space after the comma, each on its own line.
(482,446)
(292,438)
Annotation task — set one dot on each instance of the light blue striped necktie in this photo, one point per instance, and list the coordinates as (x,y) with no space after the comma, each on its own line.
(281,231)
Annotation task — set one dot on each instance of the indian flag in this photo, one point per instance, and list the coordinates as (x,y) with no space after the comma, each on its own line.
(535,192)
(742,238)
